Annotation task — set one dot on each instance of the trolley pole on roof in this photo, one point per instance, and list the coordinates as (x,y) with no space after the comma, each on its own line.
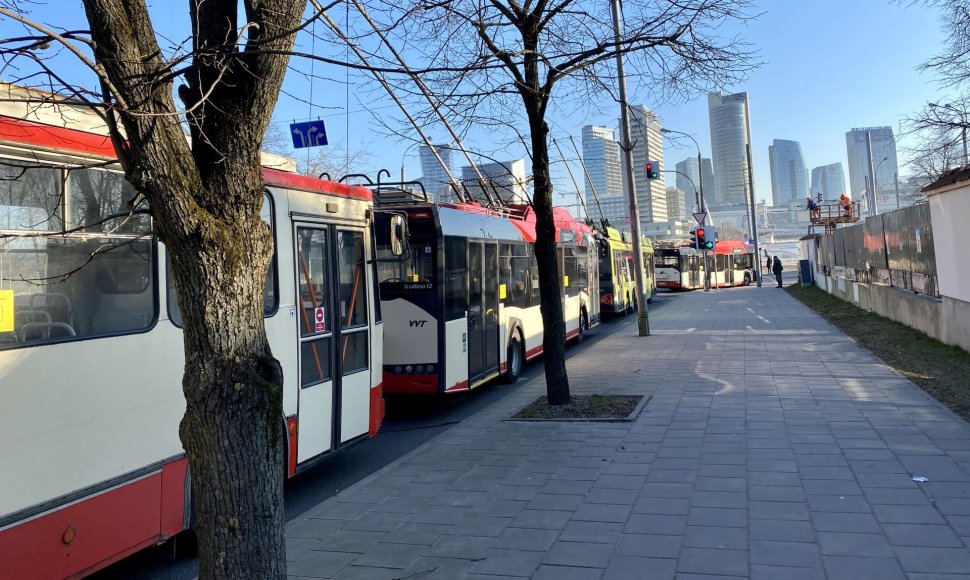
(643,323)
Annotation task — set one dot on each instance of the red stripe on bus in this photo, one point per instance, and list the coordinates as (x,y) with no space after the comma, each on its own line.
(275,177)
(572,334)
(88,535)
(376,409)
(531,354)
(56,138)
(410,384)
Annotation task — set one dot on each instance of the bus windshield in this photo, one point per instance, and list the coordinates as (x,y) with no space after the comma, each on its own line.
(668,258)
(416,269)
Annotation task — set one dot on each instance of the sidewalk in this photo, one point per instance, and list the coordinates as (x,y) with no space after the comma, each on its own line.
(772,448)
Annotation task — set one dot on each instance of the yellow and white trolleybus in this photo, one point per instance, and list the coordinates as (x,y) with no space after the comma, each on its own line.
(91,355)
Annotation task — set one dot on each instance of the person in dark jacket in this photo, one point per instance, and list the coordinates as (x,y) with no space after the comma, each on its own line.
(776,269)
(767,261)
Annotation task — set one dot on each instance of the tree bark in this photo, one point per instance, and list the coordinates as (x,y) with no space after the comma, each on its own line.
(535,99)
(206,204)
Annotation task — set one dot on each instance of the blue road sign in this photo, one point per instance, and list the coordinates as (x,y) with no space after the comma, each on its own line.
(309,134)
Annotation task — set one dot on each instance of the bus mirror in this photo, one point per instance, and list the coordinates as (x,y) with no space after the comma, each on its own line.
(398,234)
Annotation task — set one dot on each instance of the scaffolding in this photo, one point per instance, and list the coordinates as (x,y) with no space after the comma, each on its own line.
(831,214)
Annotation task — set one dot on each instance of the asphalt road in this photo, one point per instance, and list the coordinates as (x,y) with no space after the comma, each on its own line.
(408,423)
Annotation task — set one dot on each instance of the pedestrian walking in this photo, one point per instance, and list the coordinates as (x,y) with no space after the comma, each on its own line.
(776,268)
(767,261)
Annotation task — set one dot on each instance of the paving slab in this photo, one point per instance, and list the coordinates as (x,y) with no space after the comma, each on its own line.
(772,447)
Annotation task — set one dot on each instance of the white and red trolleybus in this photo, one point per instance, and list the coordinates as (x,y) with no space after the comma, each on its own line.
(464,308)
(681,267)
(91,355)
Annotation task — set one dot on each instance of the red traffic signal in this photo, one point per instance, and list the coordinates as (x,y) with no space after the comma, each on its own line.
(652,169)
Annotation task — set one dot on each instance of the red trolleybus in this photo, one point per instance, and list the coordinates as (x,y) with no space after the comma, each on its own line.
(464,308)
(681,267)
(91,358)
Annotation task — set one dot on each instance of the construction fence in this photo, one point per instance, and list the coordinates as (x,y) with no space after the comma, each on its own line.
(891,249)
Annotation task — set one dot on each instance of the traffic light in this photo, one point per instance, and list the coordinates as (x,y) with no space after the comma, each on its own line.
(653,169)
(704,238)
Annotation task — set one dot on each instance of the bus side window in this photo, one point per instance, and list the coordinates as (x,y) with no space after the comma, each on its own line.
(97,281)
(519,287)
(456,278)
(534,277)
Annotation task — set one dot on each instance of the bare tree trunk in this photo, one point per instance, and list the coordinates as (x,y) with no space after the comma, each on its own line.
(232,428)
(550,286)
(535,99)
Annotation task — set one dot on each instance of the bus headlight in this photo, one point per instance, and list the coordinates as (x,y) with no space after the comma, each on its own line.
(419,369)
(398,369)
(429,368)
(408,369)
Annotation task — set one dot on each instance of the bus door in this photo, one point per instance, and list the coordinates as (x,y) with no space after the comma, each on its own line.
(333,336)
(482,310)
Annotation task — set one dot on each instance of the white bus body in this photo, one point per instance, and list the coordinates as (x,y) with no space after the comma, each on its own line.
(464,308)
(91,466)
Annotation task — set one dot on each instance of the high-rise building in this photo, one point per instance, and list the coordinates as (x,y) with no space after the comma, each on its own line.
(730,135)
(676,203)
(601,156)
(883,160)
(828,181)
(789,176)
(507,180)
(435,178)
(688,180)
(648,146)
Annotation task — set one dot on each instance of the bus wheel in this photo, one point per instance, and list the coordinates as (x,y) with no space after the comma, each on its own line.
(516,359)
(747,280)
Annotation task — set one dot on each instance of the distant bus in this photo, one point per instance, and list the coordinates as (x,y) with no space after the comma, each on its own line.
(681,267)
(92,356)
(465,307)
(617,279)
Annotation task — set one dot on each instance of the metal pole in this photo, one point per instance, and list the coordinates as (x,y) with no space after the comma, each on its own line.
(643,323)
(963,130)
(871,210)
(896,179)
(754,221)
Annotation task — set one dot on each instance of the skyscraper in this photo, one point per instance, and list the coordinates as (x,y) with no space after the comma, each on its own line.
(435,178)
(688,179)
(883,159)
(789,177)
(676,203)
(648,146)
(730,135)
(601,156)
(506,180)
(828,181)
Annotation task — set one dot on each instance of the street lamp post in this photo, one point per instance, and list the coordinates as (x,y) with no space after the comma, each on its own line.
(405,154)
(875,178)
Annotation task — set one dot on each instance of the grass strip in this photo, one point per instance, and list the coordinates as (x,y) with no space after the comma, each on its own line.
(942,371)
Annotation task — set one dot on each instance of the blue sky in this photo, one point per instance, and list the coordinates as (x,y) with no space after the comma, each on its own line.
(829,66)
